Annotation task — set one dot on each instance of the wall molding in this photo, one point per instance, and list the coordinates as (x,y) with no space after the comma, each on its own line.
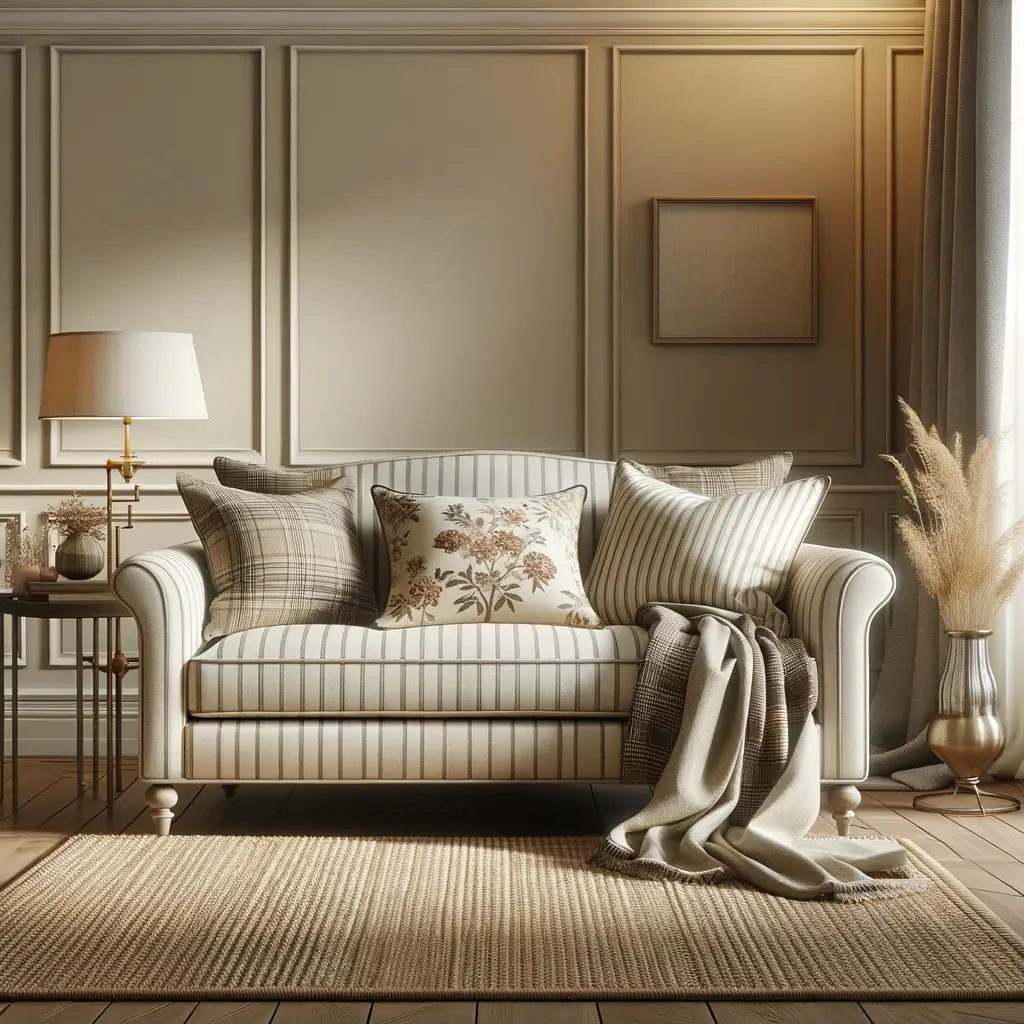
(17,519)
(15,456)
(452,21)
(853,456)
(301,456)
(890,238)
(853,516)
(59,455)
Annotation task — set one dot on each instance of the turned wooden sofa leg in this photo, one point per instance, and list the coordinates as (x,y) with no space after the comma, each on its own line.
(843,802)
(230,790)
(161,798)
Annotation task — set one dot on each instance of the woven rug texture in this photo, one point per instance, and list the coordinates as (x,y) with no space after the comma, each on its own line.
(282,917)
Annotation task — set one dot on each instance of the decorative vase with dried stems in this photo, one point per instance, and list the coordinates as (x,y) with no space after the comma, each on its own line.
(971,569)
(25,562)
(79,556)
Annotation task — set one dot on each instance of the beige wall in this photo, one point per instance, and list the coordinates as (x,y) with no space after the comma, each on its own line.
(410,231)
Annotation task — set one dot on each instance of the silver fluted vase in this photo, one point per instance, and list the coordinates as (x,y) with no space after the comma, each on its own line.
(967,733)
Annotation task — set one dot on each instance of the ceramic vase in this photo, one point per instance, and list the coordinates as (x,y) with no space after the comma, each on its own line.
(79,557)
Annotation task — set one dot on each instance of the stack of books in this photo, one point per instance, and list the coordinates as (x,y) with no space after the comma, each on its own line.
(71,590)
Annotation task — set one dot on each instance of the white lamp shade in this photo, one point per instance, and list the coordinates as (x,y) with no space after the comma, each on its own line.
(112,374)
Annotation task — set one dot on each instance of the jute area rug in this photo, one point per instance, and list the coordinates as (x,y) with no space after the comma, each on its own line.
(276,917)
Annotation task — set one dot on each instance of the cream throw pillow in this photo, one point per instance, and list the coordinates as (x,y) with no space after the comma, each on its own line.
(663,544)
(484,559)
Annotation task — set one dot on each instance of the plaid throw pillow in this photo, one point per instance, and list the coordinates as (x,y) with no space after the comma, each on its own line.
(721,481)
(279,559)
(247,476)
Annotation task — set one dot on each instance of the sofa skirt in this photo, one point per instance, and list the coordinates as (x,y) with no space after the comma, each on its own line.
(433,749)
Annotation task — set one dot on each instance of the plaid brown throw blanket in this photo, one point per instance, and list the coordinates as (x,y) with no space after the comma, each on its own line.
(722,725)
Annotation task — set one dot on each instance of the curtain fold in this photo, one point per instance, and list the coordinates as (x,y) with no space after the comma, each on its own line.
(943,369)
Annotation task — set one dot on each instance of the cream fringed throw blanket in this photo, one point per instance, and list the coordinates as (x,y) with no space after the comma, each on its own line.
(724,712)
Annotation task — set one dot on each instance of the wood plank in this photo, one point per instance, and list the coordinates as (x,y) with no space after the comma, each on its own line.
(996,831)
(788,1013)
(655,1013)
(322,1013)
(44,805)
(1009,908)
(962,841)
(20,850)
(537,1013)
(53,1013)
(128,805)
(943,1013)
(423,1013)
(1009,871)
(146,1013)
(976,878)
(233,1013)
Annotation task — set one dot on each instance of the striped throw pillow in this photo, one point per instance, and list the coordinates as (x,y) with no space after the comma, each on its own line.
(279,559)
(721,481)
(664,544)
(247,476)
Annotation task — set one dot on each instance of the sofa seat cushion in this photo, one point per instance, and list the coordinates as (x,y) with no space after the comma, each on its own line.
(467,670)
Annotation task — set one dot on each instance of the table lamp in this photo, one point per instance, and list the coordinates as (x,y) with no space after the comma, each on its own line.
(123,375)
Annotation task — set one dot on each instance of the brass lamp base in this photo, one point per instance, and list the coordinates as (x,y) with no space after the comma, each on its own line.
(945,801)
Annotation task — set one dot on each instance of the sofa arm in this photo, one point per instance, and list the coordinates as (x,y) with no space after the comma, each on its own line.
(169,593)
(831,598)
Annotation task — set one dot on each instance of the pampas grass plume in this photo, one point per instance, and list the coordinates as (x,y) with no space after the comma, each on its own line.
(950,538)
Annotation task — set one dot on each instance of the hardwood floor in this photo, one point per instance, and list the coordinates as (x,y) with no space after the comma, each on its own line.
(987,855)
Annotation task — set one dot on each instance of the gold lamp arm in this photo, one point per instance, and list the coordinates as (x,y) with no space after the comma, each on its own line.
(126,466)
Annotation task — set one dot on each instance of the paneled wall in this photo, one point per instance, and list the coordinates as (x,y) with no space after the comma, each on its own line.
(423,229)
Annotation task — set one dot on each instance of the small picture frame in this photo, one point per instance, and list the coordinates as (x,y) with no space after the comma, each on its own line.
(735,270)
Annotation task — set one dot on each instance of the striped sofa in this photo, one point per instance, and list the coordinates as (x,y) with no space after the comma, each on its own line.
(455,702)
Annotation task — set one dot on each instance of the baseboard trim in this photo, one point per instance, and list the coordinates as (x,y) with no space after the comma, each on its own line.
(47,727)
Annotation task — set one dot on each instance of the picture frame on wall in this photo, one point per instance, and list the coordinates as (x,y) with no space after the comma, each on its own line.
(735,270)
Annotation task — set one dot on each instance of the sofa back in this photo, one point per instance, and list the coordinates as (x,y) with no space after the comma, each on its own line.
(478,474)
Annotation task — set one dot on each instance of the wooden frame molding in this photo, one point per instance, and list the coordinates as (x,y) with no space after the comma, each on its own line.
(58,454)
(853,516)
(852,456)
(298,455)
(809,201)
(453,21)
(16,454)
(890,239)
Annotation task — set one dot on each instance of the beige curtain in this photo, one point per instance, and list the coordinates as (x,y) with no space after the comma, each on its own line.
(943,378)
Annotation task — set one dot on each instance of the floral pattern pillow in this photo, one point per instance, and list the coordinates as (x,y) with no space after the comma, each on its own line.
(484,559)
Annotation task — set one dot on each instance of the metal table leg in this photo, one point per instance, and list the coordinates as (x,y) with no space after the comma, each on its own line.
(14,712)
(120,666)
(110,716)
(95,705)
(79,712)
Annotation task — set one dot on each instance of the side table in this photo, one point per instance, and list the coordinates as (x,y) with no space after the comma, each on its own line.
(97,609)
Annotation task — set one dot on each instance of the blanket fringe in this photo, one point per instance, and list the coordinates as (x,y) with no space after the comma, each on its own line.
(611,857)
(879,888)
(881,885)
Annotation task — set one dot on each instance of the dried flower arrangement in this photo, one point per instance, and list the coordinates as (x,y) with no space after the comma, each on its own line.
(22,549)
(72,515)
(951,539)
